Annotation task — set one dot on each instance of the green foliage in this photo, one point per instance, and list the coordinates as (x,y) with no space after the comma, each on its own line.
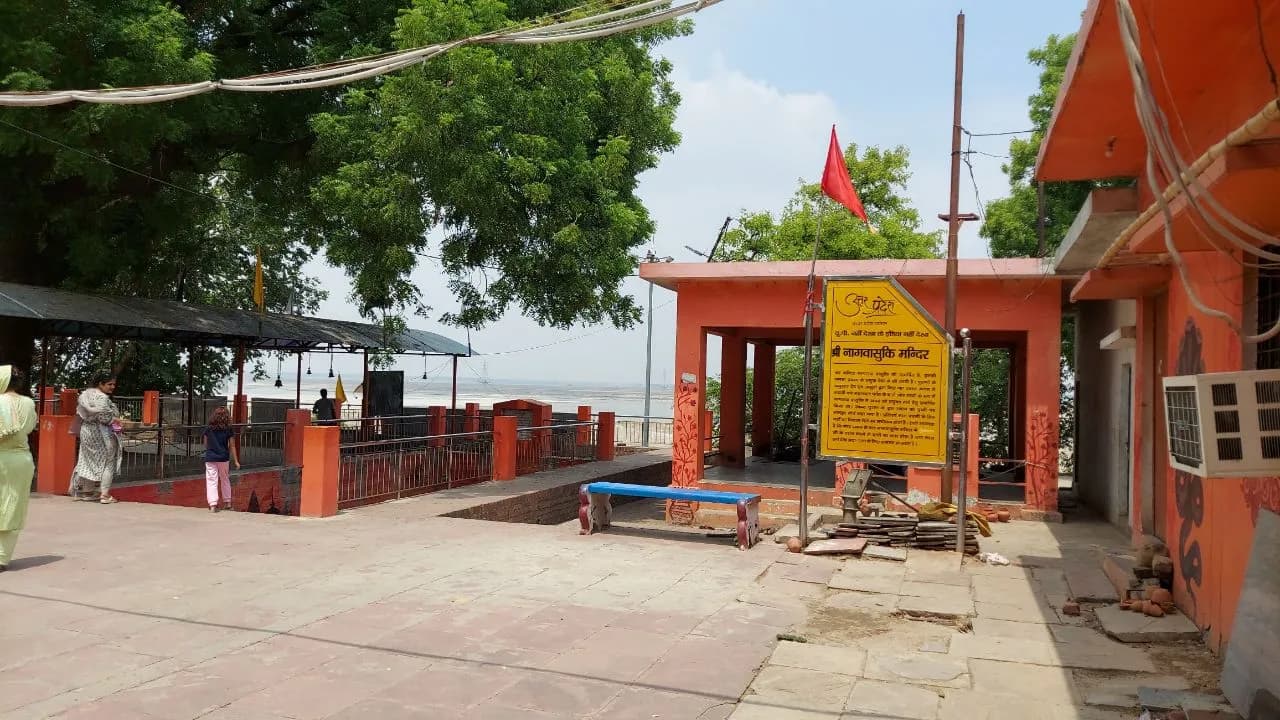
(1010,223)
(880,177)
(523,158)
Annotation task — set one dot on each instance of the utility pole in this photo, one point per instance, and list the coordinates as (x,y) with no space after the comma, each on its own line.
(648,355)
(1040,244)
(953,230)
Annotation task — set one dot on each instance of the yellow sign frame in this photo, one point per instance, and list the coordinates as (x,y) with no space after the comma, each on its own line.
(870,320)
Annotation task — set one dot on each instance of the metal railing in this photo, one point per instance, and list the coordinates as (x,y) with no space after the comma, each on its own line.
(381,470)
(629,430)
(555,446)
(163,452)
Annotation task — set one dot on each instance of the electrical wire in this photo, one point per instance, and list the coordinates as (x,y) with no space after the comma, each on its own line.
(631,16)
(1162,155)
(996,134)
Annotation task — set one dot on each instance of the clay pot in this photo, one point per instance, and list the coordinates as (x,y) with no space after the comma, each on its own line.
(1154,610)
(1140,606)
(1168,608)
(991,517)
(793,545)
(1146,592)
(1003,515)
(1126,604)
(1160,596)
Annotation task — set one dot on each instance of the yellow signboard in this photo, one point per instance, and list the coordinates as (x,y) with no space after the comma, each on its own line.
(886,375)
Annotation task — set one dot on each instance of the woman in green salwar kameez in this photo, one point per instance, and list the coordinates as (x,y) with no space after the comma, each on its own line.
(17,420)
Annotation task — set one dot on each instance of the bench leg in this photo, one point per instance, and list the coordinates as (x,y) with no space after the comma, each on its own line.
(595,511)
(748,524)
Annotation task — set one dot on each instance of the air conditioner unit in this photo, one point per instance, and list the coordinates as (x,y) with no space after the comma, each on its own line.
(1224,424)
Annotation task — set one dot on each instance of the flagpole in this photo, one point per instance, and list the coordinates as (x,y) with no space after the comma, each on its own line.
(806,405)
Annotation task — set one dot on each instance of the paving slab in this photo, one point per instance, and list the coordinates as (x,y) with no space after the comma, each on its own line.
(1127,626)
(791,688)
(837,546)
(918,669)
(822,658)
(990,627)
(1164,699)
(809,572)
(976,705)
(1087,581)
(1028,612)
(937,577)
(1050,685)
(941,607)
(1121,690)
(881,552)
(864,601)
(873,698)
(868,577)
(1006,590)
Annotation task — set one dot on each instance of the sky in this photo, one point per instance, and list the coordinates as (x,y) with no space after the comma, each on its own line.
(762,81)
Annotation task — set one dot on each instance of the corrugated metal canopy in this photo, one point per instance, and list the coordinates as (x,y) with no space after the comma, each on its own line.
(67,314)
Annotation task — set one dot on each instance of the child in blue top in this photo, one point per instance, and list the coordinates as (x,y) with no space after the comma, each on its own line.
(219,452)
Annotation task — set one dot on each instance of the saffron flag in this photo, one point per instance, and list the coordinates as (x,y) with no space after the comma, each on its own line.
(339,394)
(836,183)
(259,292)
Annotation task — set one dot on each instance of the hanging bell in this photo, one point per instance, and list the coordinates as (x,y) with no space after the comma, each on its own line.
(279,370)
(330,364)
(424,367)
(308,363)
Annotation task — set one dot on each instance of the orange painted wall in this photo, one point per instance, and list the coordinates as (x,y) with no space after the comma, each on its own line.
(1209,523)
(1030,306)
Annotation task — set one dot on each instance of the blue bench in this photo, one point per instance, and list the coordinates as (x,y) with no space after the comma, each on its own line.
(595,509)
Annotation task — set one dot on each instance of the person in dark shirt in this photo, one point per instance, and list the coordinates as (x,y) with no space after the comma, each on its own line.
(219,453)
(324,409)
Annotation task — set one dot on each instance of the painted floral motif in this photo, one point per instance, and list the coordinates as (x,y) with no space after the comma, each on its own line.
(687,454)
(1261,493)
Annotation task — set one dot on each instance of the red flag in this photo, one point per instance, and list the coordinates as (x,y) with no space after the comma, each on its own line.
(836,183)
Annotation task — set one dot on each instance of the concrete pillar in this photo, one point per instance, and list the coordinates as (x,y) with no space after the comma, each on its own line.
(295,428)
(505,438)
(436,425)
(321,464)
(763,379)
(67,400)
(150,407)
(472,422)
(733,401)
(57,454)
(708,430)
(584,432)
(690,427)
(604,440)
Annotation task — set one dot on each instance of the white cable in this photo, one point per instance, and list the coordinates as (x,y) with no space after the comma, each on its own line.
(598,25)
(1160,143)
(1171,160)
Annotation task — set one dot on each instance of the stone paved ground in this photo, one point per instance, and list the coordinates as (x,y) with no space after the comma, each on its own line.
(151,612)
(990,642)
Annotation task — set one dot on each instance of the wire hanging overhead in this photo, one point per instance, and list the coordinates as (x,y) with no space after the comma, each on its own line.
(597,25)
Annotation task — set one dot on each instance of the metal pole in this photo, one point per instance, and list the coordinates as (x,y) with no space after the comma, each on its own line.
(962,519)
(1040,244)
(806,409)
(454,402)
(364,384)
(44,370)
(953,222)
(648,373)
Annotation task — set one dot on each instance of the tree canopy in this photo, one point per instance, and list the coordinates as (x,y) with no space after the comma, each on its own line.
(880,177)
(516,164)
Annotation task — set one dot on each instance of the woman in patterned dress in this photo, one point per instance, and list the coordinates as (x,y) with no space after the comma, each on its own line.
(100,450)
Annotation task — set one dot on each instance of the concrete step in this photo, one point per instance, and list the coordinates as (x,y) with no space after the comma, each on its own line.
(1119,570)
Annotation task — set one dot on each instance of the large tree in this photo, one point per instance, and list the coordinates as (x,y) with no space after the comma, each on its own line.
(1010,225)
(881,179)
(522,160)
